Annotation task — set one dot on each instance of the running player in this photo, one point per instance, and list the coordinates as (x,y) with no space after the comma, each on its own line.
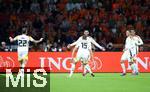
(128,53)
(138,42)
(23,47)
(84,46)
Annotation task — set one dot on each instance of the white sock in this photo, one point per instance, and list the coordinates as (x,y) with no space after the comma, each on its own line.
(84,71)
(72,69)
(22,70)
(123,67)
(133,68)
(23,65)
(136,67)
(87,67)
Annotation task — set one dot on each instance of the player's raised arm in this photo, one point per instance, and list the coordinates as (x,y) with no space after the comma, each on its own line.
(35,41)
(13,39)
(139,41)
(74,43)
(97,45)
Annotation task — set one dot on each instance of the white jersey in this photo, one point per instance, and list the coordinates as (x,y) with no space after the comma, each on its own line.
(127,54)
(23,42)
(86,44)
(84,47)
(129,43)
(138,42)
(131,46)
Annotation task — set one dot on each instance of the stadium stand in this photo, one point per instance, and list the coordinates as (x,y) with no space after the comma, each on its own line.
(61,22)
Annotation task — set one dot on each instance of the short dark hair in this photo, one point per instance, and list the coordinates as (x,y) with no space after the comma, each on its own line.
(24,30)
(132,30)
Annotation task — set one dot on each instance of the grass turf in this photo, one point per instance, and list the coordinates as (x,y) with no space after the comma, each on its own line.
(102,82)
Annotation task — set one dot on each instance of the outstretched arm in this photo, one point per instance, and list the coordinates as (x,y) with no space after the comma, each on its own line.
(97,45)
(139,41)
(74,43)
(35,41)
(13,39)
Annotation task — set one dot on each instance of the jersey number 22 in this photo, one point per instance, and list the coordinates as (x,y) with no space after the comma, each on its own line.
(22,43)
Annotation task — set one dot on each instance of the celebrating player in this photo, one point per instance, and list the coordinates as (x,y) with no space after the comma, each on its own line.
(84,46)
(23,47)
(127,54)
(138,42)
(130,51)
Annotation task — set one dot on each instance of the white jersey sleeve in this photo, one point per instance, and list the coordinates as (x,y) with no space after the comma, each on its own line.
(16,38)
(31,39)
(138,40)
(76,42)
(128,43)
(95,43)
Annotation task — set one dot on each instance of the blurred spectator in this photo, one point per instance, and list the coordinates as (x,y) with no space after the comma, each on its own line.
(3,47)
(35,6)
(61,22)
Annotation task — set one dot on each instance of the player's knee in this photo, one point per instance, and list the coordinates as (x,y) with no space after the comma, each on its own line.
(84,63)
(20,60)
(130,63)
(122,61)
(133,59)
(73,61)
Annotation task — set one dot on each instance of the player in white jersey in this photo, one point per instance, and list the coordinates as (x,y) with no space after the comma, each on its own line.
(138,42)
(131,51)
(127,55)
(23,47)
(84,46)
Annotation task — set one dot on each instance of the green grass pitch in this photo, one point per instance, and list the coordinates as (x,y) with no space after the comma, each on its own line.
(102,82)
